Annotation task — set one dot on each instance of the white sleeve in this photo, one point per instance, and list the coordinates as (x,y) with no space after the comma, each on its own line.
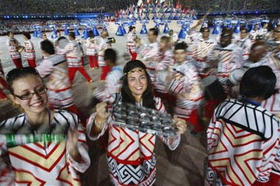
(45,68)
(90,124)
(83,165)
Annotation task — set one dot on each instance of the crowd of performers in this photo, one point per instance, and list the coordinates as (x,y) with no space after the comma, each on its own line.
(227,87)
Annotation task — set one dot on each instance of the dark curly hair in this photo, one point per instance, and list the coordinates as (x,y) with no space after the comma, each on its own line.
(127,97)
(258,82)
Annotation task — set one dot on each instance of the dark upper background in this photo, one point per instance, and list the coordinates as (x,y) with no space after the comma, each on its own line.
(14,7)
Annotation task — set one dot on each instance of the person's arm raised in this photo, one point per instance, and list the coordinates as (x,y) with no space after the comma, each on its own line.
(97,122)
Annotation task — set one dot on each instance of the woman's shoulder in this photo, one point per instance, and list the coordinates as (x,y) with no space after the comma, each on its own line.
(13,123)
(62,116)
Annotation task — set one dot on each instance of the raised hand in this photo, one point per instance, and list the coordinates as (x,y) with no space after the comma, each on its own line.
(101,115)
(180,124)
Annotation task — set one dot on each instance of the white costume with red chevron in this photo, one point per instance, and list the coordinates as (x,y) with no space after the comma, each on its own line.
(54,69)
(101,46)
(73,54)
(90,47)
(41,163)
(130,154)
(13,44)
(243,140)
(229,58)
(165,62)
(245,44)
(130,42)
(200,50)
(186,89)
(29,50)
(150,57)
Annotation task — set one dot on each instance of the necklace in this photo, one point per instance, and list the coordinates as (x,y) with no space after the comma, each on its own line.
(34,128)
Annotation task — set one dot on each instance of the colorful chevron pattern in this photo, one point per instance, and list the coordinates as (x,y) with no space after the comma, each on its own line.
(241,150)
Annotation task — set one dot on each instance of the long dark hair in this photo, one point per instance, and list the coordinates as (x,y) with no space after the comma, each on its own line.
(127,97)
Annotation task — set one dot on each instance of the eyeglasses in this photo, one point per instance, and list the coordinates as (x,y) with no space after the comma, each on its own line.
(39,91)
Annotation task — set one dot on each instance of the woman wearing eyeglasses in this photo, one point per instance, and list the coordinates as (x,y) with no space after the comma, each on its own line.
(33,144)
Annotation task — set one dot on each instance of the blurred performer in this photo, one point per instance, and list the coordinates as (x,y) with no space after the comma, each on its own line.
(200,50)
(101,46)
(258,56)
(60,45)
(173,36)
(256,31)
(3,83)
(244,42)
(150,52)
(185,83)
(29,50)
(264,30)
(113,77)
(74,58)
(54,69)
(130,153)
(13,50)
(243,137)
(131,42)
(273,103)
(165,64)
(193,33)
(91,51)
(227,56)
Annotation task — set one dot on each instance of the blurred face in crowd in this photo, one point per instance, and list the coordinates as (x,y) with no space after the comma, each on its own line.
(171,33)
(137,82)
(151,37)
(225,39)
(30,93)
(205,33)
(256,27)
(104,34)
(44,36)
(243,34)
(180,55)
(265,25)
(11,35)
(164,44)
(133,30)
(257,52)
(276,33)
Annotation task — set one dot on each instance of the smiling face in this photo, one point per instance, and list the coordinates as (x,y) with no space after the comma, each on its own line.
(137,82)
(30,93)
(205,34)
(180,55)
